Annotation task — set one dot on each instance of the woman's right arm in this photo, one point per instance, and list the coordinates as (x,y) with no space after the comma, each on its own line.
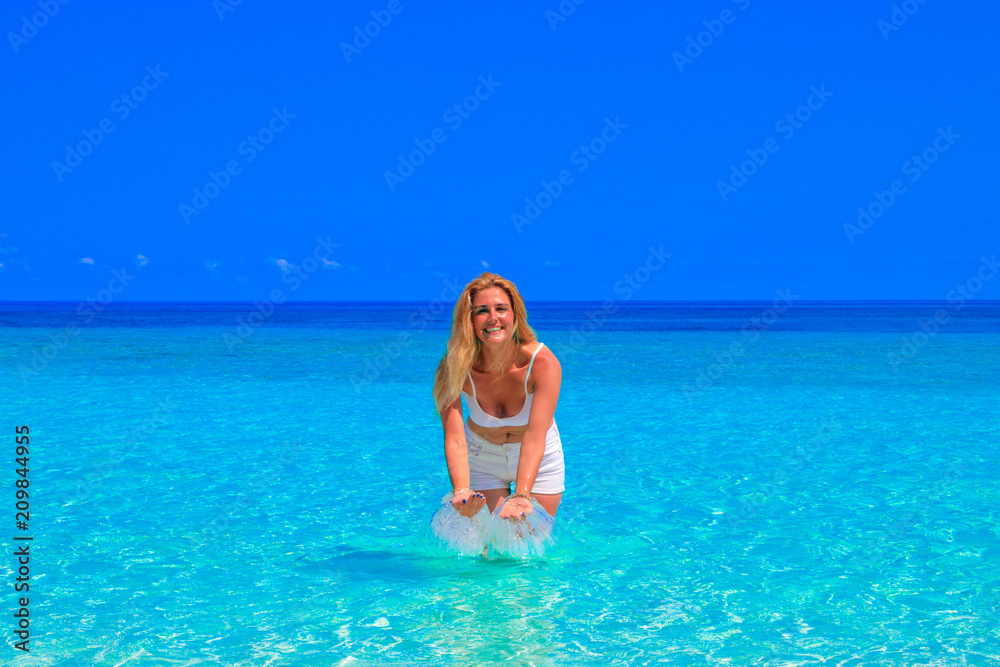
(456,453)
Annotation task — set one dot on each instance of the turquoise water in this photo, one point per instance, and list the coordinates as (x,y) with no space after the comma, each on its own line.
(806,504)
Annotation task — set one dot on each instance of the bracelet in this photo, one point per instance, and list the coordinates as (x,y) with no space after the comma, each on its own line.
(522,494)
(455,492)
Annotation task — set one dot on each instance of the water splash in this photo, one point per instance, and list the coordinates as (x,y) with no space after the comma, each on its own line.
(520,536)
(465,535)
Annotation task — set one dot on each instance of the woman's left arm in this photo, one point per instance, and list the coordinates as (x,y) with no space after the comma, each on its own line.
(548,379)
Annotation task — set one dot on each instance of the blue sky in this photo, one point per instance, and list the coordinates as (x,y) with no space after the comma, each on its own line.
(743,156)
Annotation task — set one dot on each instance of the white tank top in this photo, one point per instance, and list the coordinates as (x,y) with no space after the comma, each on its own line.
(479,416)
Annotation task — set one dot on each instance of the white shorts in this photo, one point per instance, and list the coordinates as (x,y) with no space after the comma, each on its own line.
(493,466)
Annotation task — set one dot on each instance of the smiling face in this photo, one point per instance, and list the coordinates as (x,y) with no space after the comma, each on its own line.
(492,316)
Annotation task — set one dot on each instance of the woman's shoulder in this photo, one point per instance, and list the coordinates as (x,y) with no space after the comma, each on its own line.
(544,358)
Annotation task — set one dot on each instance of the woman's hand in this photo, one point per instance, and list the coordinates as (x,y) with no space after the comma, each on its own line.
(468,503)
(516,508)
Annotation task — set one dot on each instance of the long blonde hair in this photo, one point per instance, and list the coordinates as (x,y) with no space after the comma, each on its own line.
(464,346)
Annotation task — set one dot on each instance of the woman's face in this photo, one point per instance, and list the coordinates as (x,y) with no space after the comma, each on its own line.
(492,317)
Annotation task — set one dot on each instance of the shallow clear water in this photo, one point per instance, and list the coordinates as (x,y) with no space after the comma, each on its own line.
(804,503)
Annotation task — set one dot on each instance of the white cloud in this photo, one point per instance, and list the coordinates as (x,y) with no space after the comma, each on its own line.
(486,264)
(284,265)
(330,262)
(140,260)
(87,260)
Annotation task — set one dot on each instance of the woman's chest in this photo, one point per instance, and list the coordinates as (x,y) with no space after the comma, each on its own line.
(502,399)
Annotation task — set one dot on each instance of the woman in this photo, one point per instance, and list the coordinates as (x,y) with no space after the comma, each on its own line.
(511,385)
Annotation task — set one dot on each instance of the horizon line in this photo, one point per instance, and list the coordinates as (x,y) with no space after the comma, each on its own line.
(639,302)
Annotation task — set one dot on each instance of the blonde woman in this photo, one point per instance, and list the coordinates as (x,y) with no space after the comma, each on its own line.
(511,383)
